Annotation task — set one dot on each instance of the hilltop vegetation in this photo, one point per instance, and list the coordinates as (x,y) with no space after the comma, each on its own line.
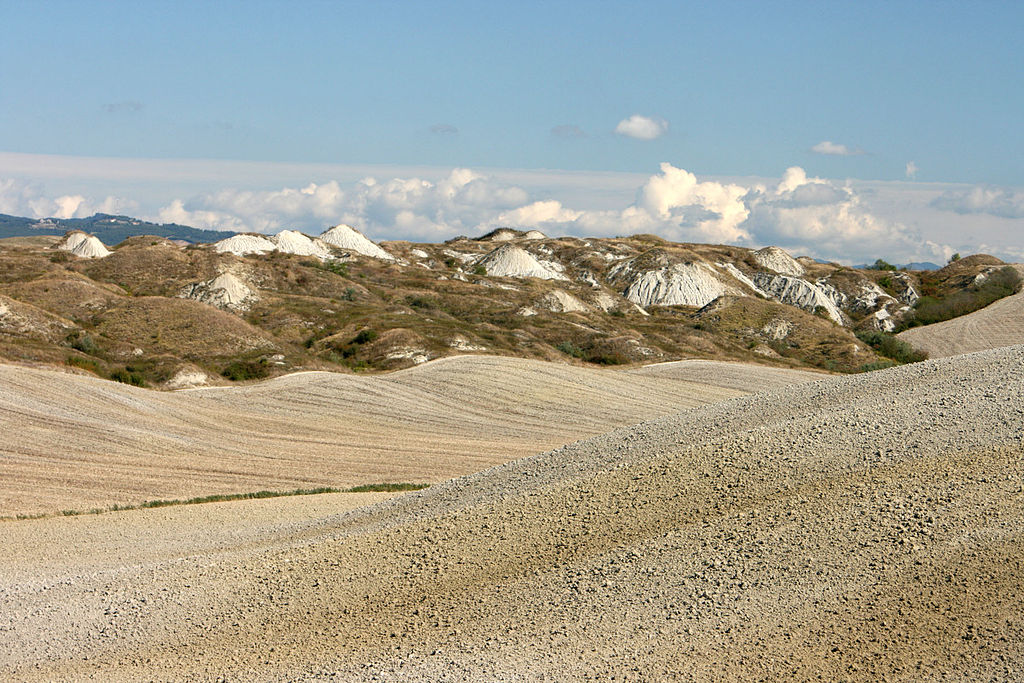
(159,314)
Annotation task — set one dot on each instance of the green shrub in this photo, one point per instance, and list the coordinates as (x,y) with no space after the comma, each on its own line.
(881,264)
(570,349)
(128,376)
(479,270)
(80,341)
(85,363)
(241,370)
(331,266)
(365,336)
(606,358)
(932,309)
(877,365)
(421,302)
(892,347)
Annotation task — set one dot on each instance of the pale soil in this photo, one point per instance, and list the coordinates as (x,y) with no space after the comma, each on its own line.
(77,442)
(50,549)
(862,528)
(998,324)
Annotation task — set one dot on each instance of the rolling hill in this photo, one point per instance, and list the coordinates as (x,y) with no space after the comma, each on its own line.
(861,528)
(74,442)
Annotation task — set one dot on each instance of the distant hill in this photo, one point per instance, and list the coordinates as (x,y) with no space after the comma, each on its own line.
(913,265)
(109,229)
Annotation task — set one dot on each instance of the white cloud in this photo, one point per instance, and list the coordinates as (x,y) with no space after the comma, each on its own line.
(444,129)
(911,170)
(1004,202)
(539,213)
(642,127)
(806,215)
(835,149)
(817,217)
(412,208)
(21,198)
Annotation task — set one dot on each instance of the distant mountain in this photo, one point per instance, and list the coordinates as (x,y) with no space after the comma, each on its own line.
(921,265)
(109,229)
(913,265)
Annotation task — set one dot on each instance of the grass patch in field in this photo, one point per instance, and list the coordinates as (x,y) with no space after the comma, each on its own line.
(385,487)
(225,497)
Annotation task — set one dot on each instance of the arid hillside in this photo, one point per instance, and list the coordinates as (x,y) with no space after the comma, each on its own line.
(158,313)
(861,528)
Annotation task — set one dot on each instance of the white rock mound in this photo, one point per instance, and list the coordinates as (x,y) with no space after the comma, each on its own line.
(800,293)
(286,241)
(605,301)
(510,261)
(463,344)
(348,238)
(294,242)
(774,258)
(558,301)
(226,291)
(738,274)
(534,235)
(500,235)
(188,377)
(245,243)
(680,284)
(904,288)
(83,245)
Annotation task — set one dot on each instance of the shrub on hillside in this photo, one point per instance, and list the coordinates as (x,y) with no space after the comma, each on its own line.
(128,376)
(82,342)
(241,370)
(892,347)
(87,364)
(877,365)
(932,309)
(365,336)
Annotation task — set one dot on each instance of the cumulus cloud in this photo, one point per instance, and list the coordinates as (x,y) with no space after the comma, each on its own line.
(672,203)
(444,129)
(911,170)
(804,214)
(820,218)
(835,149)
(642,127)
(568,131)
(28,199)
(408,207)
(1004,202)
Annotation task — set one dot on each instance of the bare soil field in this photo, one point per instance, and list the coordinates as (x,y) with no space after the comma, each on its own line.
(998,324)
(78,442)
(862,528)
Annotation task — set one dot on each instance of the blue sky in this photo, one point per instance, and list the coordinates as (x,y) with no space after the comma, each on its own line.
(726,90)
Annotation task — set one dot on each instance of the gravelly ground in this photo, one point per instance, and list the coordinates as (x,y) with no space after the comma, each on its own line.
(859,528)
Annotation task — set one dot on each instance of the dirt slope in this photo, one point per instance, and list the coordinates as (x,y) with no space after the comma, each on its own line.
(998,324)
(863,528)
(76,442)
